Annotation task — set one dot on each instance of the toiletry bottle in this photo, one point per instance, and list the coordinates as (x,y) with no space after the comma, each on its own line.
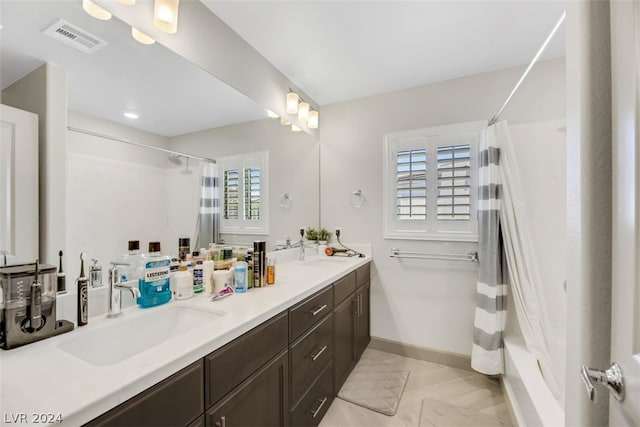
(83,294)
(271,270)
(240,276)
(183,283)
(198,273)
(133,258)
(207,273)
(62,279)
(184,248)
(154,278)
(95,274)
(249,260)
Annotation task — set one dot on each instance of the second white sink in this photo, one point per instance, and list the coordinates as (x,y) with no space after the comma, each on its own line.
(127,336)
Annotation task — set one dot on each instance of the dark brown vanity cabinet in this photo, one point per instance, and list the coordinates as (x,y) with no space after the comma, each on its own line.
(175,401)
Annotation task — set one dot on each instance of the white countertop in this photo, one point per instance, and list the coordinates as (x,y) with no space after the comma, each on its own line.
(42,378)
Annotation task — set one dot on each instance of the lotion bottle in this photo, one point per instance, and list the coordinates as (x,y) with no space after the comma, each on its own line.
(183,280)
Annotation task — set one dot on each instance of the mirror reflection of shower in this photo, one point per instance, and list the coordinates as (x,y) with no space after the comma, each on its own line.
(176,159)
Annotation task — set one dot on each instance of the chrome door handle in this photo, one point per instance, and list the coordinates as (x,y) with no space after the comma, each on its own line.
(314,412)
(222,422)
(318,310)
(315,356)
(611,377)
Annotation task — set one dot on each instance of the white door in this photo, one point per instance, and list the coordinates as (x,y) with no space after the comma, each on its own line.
(625,332)
(18,185)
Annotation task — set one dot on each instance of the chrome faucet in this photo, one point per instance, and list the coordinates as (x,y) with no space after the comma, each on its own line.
(115,289)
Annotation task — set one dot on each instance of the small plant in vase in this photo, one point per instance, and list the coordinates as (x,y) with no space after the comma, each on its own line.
(323,236)
(312,234)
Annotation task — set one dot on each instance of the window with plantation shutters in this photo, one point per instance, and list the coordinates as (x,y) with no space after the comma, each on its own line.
(428,190)
(245,193)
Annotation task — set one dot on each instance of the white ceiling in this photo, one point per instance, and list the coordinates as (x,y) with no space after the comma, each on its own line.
(341,50)
(333,50)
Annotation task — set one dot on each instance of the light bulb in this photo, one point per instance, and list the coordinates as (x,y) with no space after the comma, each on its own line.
(284,121)
(313,119)
(303,111)
(292,103)
(96,11)
(141,37)
(295,128)
(165,15)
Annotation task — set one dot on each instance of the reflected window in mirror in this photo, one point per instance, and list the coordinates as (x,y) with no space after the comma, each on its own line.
(245,193)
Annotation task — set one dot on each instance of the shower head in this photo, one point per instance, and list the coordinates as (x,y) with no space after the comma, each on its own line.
(175,159)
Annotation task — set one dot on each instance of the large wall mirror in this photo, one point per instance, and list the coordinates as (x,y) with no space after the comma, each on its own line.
(117,192)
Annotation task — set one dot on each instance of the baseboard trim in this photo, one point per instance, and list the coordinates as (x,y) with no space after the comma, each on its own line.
(454,360)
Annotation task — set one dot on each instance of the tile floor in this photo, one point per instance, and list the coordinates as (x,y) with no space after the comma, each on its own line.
(435,395)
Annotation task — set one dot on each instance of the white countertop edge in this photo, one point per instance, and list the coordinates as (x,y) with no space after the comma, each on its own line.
(79,409)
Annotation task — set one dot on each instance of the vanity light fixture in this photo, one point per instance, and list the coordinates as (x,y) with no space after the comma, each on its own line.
(284,121)
(130,115)
(295,128)
(303,111)
(292,103)
(141,37)
(128,2)
(272,115)
(165,15)
(313,119)
(96,11)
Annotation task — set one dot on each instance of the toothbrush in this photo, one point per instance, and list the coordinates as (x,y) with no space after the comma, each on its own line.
(62,280)
(83,294)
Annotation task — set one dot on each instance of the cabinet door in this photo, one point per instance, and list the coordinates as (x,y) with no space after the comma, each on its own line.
(261,400)
(344,333)
(176,401)
(362,333)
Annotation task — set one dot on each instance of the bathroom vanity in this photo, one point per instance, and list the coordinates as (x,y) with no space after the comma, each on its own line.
(274,356)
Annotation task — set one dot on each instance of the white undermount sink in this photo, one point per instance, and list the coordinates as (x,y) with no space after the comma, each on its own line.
(124,337)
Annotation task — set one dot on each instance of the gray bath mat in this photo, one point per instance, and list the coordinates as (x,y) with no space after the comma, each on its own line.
(435,413)
(375,386)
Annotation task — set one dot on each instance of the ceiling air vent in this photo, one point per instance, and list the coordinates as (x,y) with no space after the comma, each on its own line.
(75,37)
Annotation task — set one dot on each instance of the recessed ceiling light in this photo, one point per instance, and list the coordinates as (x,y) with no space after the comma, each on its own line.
(130,115)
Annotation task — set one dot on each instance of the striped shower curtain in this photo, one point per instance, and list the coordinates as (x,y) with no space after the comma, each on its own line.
(490,315)
(208,230)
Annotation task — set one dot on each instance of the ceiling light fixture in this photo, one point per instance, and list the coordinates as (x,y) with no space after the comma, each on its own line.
(96,11)
(141,37)
(130,115)
(284,121)
(303,111)
(128,2)
(295,128)
(313,119)
(292,103)
(165,15)
(272,115)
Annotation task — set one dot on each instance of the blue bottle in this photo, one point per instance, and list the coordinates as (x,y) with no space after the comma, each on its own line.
(154,278)
(240,276)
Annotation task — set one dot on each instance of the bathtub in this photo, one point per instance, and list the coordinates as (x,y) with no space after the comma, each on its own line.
(530,399)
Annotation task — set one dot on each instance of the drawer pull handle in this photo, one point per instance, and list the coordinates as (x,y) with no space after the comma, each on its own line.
(315,356)
(222,422)
(318,310)
(314,412)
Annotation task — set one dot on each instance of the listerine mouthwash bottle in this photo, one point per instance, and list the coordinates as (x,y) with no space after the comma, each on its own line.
(154,277)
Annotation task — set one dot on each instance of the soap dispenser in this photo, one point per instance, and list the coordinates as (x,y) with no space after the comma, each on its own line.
(95,274)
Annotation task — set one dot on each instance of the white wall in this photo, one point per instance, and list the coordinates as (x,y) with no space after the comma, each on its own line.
(293,169)
(418,302)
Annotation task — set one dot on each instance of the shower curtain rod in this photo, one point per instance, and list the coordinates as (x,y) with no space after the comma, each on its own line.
(138,144)
(496,117)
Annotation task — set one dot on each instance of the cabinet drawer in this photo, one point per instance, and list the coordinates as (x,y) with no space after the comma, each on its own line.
(344,287)
(363,274)
(228,366)
(176,401)
(309,311)
(309,355)
(316,402)
(262,400)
